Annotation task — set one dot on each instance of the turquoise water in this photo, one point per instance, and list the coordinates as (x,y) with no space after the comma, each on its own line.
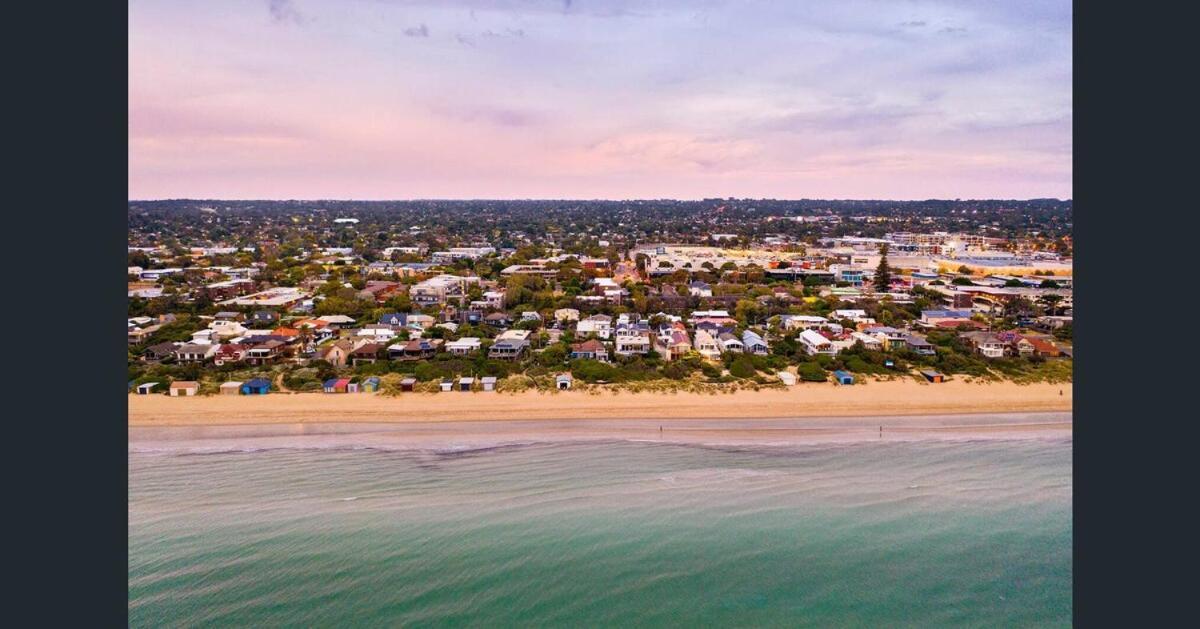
(920,534)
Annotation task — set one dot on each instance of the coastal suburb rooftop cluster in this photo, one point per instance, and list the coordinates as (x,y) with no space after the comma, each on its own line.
(254,297)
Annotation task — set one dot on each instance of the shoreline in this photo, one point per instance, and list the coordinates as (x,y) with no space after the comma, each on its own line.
(483,435)
(880,398)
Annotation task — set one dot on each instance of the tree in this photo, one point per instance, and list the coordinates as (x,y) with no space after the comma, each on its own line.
(883,273)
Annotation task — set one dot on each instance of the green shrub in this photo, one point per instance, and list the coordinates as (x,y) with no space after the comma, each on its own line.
(811,372)
(742,367)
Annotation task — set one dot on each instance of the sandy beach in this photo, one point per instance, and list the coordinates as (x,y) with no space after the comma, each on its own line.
(881,398)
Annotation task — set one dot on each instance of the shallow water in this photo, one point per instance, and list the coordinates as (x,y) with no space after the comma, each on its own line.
(604,533)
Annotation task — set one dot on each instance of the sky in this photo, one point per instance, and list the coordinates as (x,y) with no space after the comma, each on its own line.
(613,99)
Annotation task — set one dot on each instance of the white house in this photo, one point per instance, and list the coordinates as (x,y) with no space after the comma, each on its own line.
(753,343)
(706,345)
(802,322)
(600,325)
(730,343)
(815,344)
(464,346)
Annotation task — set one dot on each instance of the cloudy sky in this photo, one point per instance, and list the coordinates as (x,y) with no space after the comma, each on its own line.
(378,99)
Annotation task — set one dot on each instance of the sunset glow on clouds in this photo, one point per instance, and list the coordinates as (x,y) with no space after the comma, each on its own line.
(358,99)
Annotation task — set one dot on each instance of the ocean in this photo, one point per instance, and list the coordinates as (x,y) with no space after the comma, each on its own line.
(921,533)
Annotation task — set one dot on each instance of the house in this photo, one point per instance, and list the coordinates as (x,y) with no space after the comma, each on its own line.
(498,319)
(337,385)
(493,299)
(843,377)
(802,322)
(380,291)
(508,348)
(815,343)
(194,352)
(598,325)
(441,289)
(563,381)
(181,388)
(231,388)
(465,383)
(146,388)
(337,322)
(1037,346)
(229,353)
(674,344)
(264,317)
(256,386)
(700,289)
(936,317)
(415,349)
(754,344)
(378,332)
(408,384)
(889,338)
(857,316)
(707,345)
(229,315)
(531,315)
(265,352)
(590,349)
(730,343)
(137,335)
(366,353)
(868,341)
(488,382)
(397,319)
(464,346)
(160,351)
(988,344)
(632,339)
(566,315)
(336,353)
(933,376)
(919,345)
(418,321)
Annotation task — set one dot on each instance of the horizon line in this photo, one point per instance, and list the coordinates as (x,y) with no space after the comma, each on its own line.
(610,200)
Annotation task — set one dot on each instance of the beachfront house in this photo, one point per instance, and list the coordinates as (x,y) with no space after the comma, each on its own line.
(598,325)
(367,353)
(707,345)
(408,384)
(590,349)
(488,382)
(814,343)
(147,388)
(231,388)
(754,344)
(464,346)
(730,343)
(465,383)
(632,339)
(933,376)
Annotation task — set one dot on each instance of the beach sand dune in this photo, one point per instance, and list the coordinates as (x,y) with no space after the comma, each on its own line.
(881,398)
